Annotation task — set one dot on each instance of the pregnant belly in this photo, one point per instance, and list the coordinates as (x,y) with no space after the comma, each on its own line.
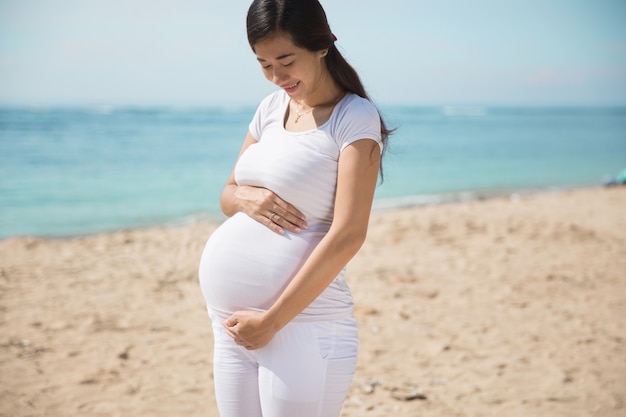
(246,266)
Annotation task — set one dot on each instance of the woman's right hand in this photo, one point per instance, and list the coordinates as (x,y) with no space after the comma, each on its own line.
(267,208)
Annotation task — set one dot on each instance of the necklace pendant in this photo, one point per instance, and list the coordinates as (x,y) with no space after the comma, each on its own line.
(299,113)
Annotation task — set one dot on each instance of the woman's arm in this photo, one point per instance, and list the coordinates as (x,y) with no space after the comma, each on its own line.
(356,183)
(260,203)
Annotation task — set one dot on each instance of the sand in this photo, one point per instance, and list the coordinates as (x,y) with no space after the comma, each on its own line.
(502,307)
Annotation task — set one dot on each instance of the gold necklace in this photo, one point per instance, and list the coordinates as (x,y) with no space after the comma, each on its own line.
(299,114)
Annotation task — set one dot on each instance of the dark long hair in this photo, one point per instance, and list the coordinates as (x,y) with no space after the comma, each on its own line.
(305,21)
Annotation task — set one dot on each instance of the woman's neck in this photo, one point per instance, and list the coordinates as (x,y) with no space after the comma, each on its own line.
(328,93)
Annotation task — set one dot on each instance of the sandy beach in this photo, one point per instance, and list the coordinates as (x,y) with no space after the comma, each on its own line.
(512,306)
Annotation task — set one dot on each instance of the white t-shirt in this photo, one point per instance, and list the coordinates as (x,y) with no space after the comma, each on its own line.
(301,167)
(245,265)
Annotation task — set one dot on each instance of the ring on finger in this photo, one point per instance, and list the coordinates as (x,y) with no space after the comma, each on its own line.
(272,217)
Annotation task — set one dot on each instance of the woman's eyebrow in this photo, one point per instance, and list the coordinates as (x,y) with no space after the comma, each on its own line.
(278,58)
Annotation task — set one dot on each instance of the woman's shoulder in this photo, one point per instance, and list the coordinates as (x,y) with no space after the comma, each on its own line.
(269,111)
(356,118)
(356,108)
(357,105)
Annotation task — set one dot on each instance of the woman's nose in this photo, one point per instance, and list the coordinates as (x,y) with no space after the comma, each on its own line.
(278,75)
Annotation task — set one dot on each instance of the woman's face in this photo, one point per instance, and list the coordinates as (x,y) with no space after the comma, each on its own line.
(296,70)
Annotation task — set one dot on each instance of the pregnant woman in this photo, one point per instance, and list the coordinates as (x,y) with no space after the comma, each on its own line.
(299,200)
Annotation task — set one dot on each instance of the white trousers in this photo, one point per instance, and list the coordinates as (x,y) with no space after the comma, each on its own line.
(305,371)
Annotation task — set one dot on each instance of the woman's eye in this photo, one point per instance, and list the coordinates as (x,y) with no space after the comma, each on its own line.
(269,66)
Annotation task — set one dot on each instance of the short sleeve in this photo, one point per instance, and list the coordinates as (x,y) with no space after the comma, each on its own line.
(256,124)
(359,120)
(264,115)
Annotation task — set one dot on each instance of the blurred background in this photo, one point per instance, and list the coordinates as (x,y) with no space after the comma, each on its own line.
(122,114)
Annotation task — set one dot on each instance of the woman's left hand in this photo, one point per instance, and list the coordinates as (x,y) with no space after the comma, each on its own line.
(250,329)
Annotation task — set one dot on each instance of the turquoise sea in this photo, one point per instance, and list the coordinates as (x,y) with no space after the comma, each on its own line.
(73,171)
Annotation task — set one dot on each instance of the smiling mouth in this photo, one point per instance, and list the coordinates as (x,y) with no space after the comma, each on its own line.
(288,87)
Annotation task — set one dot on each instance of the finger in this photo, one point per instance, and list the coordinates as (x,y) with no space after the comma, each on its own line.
(271,203)
(286,224)
(287,219)
(230,322)
(284,208)
(279,224)
(231,334)
(278,220)
(289,213)
(242,342)
(231,327)
(275,227)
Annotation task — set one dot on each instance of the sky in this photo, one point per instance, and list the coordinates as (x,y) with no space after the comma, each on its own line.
(423,52)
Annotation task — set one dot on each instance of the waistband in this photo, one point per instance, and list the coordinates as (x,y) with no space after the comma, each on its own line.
(304,317)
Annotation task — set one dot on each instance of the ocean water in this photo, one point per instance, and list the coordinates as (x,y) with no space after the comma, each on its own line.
(74,171)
